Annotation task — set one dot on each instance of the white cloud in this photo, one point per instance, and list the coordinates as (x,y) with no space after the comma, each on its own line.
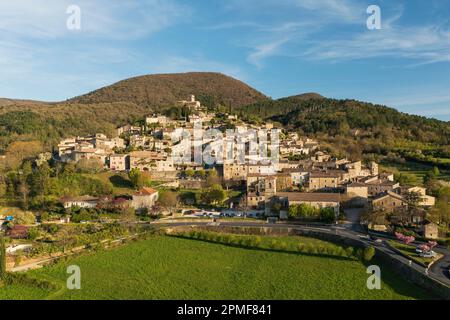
(328,30)
(112,19)
(426,44)
(264,51)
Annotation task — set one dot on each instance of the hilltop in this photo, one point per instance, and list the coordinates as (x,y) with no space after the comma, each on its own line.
(162,90)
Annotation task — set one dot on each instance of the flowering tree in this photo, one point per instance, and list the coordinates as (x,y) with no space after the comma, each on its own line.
(424,248)
(399,236)
(405,239)
(432,244)
(409,239)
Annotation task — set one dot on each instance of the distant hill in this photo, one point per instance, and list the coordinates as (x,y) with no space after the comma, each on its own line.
(357,128)
(303,96)
(8,102)
(162,90)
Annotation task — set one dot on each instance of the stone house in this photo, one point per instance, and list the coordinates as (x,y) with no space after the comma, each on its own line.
(323,180)
(425,200)
(430,230)
(144,199)
(388,202)
(380,186)
(357,190)
(118,162)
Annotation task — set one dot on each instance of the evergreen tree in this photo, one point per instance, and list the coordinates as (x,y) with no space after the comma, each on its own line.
(2,257)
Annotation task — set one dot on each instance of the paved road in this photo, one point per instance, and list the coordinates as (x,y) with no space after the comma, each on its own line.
(438,271)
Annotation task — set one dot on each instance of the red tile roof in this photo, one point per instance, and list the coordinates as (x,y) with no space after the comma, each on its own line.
(146,192)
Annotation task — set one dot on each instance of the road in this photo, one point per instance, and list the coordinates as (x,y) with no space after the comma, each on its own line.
(438,271)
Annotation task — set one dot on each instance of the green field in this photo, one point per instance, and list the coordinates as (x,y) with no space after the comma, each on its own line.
(164,267)
(415,169)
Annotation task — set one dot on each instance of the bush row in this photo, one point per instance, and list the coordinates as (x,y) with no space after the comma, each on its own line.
(278,244)
(24,279)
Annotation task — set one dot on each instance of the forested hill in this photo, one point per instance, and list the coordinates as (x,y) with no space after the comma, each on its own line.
(368,128)
(322,115)
(163,90)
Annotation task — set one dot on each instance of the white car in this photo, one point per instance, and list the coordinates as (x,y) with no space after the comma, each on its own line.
(428,254)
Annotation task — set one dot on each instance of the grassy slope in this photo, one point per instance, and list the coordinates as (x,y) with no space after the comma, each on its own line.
(418,170)
(22,292)
(171,268)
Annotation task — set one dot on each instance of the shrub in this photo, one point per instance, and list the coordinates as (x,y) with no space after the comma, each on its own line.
(349,252)
(273,244)
(257,242)
(360,253)
(369,253)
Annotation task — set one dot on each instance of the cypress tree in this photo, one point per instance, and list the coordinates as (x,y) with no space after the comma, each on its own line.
(2,257)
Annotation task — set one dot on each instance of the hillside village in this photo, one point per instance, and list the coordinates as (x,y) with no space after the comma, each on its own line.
(191,165)
(304,175)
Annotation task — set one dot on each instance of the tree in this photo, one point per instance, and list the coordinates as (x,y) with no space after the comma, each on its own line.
(2,257)
(189,173)
(134,176)
(412,199)
(40,180)
(292,211)
(436,171)
(368,253)
(19,151)
(212,178)
(327,215)
(168,200)
(213,195)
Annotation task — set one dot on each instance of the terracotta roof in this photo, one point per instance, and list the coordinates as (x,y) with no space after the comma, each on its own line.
(310,197)
(146,192)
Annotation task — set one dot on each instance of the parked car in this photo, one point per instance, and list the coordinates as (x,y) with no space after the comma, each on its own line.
(188,212)
(428,254)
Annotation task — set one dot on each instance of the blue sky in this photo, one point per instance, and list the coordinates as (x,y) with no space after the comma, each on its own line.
(280,47)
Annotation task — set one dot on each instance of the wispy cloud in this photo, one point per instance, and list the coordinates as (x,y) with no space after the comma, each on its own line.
(115,19)
(328,30)
(36,44)
(427,44)
(263,51)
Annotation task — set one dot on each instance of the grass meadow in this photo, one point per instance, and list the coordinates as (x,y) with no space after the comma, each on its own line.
(163,267)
